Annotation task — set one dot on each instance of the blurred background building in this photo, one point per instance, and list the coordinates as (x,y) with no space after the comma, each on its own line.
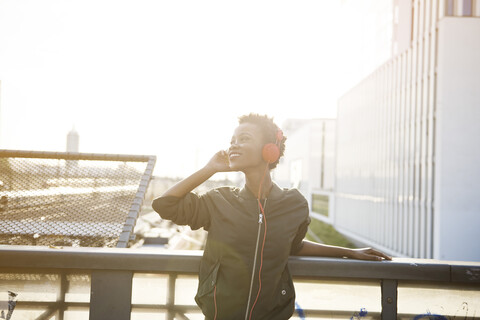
(73,141)
(309,162)
(407,135)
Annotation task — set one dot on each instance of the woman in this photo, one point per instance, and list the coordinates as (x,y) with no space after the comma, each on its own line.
(251,231)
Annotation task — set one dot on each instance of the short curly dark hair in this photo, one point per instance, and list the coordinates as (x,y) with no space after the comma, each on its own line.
(269,130)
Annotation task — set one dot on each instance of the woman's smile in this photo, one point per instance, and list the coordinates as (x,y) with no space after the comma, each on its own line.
(234,155)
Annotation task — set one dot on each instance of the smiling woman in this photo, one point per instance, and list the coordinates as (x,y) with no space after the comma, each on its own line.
(251,230)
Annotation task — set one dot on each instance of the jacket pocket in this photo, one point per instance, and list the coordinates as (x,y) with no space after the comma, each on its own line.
(285,294)
(206,290)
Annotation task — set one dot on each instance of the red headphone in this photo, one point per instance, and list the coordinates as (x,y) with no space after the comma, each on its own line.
(271,151)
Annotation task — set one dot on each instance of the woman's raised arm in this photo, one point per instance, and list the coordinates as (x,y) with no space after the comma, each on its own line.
(218,163)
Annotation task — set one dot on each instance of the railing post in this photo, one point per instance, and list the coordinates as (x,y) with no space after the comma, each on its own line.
(111,295)
(172,278)
(389,299)
(64,285)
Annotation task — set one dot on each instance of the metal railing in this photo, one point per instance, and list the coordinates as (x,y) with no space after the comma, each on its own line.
(109,274)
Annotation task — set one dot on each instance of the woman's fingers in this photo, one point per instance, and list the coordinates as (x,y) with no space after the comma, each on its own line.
(372,254)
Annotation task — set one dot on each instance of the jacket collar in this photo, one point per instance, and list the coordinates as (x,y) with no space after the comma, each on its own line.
(275,193)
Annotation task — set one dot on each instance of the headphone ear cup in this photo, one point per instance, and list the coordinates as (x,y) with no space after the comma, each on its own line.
(270,152)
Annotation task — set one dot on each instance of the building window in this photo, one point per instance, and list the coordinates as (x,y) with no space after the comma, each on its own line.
(449,8)
(467,8)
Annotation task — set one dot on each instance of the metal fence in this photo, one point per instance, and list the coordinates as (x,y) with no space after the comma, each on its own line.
(113,283)
(71,199)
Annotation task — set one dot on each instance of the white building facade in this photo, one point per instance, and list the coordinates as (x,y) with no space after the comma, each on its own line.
(408,139)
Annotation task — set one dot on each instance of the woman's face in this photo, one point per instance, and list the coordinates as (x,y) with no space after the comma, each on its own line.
(245,150)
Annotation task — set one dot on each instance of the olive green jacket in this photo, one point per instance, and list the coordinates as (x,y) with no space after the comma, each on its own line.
(231,217)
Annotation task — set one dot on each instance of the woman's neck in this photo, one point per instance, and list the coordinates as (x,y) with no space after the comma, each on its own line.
(254,181)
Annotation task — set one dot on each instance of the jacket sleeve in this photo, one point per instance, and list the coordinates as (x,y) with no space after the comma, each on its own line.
(190,210)
(297,243)
(304,212)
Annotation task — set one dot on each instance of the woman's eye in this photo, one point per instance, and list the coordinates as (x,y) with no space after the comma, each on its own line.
(240,140)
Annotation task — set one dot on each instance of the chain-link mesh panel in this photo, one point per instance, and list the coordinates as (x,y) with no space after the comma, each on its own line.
(64,202)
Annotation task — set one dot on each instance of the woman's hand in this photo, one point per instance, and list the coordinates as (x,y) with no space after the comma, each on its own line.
(219,162)
(368,254)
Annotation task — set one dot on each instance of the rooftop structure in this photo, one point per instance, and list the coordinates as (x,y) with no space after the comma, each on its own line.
(71,199)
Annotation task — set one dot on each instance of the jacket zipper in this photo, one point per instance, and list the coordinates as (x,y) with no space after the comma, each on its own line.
(260,222)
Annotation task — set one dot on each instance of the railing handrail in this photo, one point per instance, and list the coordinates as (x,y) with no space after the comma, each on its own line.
(5,153)
(173,261)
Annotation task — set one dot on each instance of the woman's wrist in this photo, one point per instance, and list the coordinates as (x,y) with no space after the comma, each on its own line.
(208,171)
(349,253)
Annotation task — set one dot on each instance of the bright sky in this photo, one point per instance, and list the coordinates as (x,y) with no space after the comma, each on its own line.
(167,78)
